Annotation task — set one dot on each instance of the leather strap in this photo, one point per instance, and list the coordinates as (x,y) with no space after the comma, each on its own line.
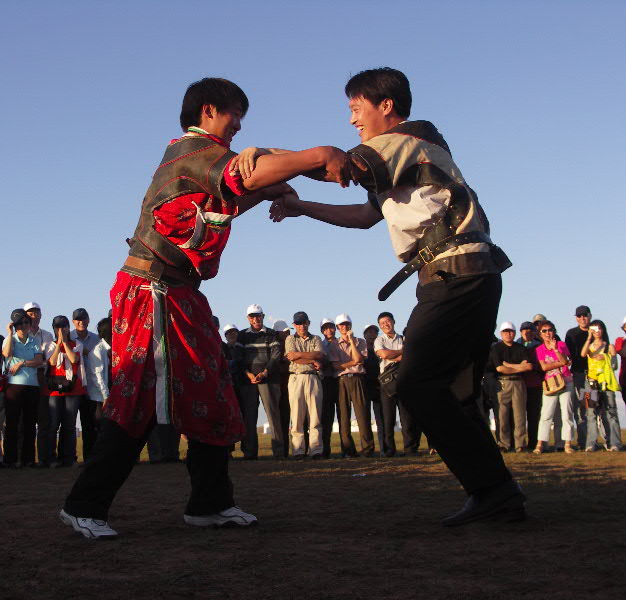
(158,271)
(427,255)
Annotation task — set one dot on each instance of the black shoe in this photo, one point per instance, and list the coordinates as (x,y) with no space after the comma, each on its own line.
(298,457)
(505,503)
(317,457)
(389,454)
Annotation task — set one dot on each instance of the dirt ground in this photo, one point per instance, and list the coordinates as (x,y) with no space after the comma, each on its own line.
(335,529)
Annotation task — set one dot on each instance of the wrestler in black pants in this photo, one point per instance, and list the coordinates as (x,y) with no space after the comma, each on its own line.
(113,458)
(446,346)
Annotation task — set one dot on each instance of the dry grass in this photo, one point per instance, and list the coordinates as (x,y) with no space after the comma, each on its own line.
(326,534)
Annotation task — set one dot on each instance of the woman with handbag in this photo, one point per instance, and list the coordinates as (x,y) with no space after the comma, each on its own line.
(558,388)
(22,356)
(601,387)
(65,378)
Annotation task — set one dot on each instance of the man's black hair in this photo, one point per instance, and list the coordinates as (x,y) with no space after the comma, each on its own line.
(104,327)
(376,85)
(221,93)
(385,314)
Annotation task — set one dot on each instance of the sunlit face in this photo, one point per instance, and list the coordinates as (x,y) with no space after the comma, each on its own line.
(547,333)
(80,324)
(367,118)
(596,331)
(528,335)
(329,331)
(508,335)
(302,329)
(344,328)
(387,325)
(583,321)
(225,124)
(256,321)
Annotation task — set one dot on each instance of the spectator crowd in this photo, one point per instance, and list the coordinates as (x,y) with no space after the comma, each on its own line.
(539,388)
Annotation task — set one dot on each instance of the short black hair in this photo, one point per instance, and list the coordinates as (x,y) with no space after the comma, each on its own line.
(104,327)
(376,85)
(221,93)
(385,314)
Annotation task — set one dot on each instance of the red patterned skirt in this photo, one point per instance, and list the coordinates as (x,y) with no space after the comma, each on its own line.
(167,360)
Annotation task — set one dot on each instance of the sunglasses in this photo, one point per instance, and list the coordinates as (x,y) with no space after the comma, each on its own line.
(546,330)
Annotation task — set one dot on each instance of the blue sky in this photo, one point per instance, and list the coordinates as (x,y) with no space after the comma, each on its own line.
(530,97)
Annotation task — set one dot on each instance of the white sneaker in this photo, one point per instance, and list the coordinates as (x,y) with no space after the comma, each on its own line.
(230,517)
(90,528)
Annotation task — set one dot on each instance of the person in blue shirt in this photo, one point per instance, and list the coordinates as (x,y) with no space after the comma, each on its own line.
(22,356)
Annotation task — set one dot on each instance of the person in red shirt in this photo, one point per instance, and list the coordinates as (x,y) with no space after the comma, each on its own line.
(167,361)
(66,376)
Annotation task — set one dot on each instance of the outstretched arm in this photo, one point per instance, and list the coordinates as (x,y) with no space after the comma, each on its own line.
(357,216)
(276,168)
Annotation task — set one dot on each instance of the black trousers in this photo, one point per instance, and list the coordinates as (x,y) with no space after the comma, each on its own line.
(447,343)
(330,386)
(21,402)
(113,458)
(89,424)
(533,412)
(411,434)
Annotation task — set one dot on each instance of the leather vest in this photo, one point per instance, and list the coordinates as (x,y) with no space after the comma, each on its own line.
(194,164)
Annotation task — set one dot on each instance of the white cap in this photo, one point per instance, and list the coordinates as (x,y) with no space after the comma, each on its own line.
(229,326)
(624,322)
(343,318)
(325,321)
(280,325)
(371,325)
(254,309)
(30,305)
(507,325)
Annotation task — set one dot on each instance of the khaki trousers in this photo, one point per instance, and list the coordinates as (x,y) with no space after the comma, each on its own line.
(512,403)
(305,400)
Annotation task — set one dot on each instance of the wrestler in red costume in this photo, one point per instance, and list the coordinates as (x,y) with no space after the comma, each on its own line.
(167,363)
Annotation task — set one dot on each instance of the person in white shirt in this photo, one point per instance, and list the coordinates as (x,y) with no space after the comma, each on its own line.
(88,407)
(97,369)
(44,339)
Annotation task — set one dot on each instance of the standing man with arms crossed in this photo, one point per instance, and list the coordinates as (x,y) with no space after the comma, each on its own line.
(305,355)
(438,227)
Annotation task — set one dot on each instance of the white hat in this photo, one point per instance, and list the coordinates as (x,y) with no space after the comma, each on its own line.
(280,325)
(371,325)
(507,325)
(624,321)
(254,309)
(343,318)
(229,326)
(325,321)
(30,305)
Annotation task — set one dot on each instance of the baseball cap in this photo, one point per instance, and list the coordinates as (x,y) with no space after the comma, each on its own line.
(228,327)
(254,309)
(326,321)
(80,314)
(300,317)
(281,325)
(370,326)
(507,325)
(60,321)
(583,311)
(623,321)
(18,314)
(30,305)
(527,325)
(539,317)
(343,318)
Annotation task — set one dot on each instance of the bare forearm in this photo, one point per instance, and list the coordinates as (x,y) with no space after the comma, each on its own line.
(388,354)
(276,168)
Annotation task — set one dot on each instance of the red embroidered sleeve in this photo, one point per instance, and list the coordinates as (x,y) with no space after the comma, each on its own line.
(234,182)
